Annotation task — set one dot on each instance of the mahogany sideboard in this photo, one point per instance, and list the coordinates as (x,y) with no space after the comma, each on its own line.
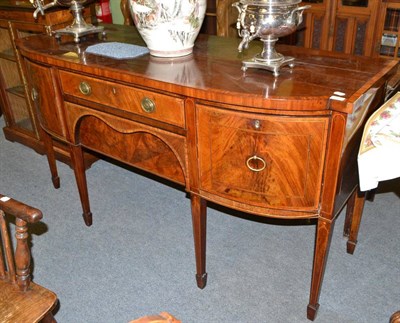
(282,147)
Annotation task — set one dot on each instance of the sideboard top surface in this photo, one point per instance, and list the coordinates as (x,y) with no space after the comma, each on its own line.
(213,72)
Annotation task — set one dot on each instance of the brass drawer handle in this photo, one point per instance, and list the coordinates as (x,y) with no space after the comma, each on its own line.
(85,88)
(148,105)
(34,94)
(254,160)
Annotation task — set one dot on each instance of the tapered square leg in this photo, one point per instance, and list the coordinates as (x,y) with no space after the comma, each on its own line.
(199,219)
(51,158)
(322,244)
(78,165)
(355,207)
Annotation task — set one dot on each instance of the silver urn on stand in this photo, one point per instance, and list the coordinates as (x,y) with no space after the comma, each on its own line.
(79,26)
(267,20)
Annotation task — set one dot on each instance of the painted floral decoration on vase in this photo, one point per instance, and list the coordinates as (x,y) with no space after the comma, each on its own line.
(168,27)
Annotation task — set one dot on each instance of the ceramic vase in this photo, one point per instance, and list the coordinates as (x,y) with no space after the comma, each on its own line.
(168,27)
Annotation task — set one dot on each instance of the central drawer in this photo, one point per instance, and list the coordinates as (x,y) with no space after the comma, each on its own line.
(153,105)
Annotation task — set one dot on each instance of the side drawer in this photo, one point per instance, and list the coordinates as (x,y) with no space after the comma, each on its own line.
(262,160)
(156,106)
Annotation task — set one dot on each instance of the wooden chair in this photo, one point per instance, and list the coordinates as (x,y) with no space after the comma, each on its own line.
(163,317)
(395,318)
(21,300)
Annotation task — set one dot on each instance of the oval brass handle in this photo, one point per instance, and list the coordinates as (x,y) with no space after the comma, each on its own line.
(256,159)
(148,105)
(85,88)
(34,94)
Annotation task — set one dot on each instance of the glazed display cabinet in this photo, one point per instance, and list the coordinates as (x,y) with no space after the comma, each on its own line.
(389,30)
(16,21)
(346,26)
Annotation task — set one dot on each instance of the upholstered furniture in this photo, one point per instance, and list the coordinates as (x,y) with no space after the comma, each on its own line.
(379,155)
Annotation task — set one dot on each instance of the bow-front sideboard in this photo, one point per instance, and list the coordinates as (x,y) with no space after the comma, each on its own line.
(282,147)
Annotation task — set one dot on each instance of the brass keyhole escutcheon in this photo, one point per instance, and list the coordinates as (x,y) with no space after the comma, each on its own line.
(148,105)
(256,164)
(34,94)
(85,88)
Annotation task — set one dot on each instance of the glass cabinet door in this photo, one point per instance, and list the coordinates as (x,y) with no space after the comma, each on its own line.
(13,92)
(389,45)
(314,30)
(346,26)
(355,3)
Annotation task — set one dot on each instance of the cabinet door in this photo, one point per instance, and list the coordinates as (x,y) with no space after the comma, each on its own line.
(46,99)
(340,25)
(265,161)
(354,25)
(314,30)
(17,108)
(388,31)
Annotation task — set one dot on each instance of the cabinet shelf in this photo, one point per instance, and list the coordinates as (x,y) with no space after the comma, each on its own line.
(17,90)
(392,19)
(389,33)
(8,54)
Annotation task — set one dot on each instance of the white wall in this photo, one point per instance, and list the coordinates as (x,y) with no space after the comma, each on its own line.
(116,12)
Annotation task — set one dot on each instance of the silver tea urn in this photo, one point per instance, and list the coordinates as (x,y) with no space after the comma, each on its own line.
(79,26)
(267,20)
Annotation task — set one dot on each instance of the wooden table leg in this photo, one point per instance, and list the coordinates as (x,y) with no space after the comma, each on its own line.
(354,211)
(349,216)
(78,165)
(199,219)
(322,244)
(51,158)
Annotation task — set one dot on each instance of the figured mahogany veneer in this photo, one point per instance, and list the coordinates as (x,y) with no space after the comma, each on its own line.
(224,169)
(275,147)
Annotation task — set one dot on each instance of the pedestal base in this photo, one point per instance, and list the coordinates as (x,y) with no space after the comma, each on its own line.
(272,66)
(79,32)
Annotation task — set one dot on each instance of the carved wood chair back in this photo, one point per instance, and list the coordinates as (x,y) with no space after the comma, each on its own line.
(20,299)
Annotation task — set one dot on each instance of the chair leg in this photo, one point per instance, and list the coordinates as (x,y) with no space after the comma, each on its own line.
(354,210)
